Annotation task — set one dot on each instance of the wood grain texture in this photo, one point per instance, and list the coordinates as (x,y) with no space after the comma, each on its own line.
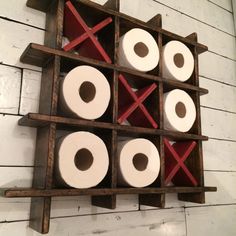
(10,83)
(223,224)
(170,221)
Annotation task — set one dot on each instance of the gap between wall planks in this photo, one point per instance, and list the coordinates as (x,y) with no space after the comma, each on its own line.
(229,70)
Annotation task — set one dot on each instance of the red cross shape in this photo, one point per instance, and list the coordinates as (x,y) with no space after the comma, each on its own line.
(131,106)
(175,169)
(77,31)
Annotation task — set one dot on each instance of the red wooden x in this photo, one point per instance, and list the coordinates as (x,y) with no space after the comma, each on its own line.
(77,31)
(131,107)
(175,169)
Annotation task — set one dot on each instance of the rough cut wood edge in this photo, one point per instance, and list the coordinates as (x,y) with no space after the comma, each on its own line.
(40,120)
(37,55)
(29,192)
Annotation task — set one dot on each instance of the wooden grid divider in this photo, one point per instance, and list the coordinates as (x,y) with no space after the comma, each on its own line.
(54,60)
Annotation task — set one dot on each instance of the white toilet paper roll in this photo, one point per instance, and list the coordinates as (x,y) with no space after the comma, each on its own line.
(178,61)
(139,163)
(85,92)
(138,50)
(179,111)
(82,160)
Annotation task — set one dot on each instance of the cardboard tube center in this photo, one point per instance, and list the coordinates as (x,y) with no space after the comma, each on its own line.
(87,91)
(141,49)
(180,110)
(140,161)
(83,159)
(179,60)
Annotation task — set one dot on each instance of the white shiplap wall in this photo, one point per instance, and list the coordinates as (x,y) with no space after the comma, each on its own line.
(19,93)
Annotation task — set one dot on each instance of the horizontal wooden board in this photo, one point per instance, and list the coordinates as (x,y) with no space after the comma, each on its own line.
(17,143)
(31,81)
(18,208)
(220,96)
(18,11)
(219,155)
(213,220)
(130,223)
(220,68)
(226,4)
(199,10)
(15,39)
(178,23)
(225,193)
(218,124)
(10,84)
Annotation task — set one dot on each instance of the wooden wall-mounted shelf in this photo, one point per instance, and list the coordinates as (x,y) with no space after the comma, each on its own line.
(49,120)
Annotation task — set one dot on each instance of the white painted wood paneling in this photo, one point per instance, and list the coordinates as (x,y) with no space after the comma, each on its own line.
(15,39)
(217,221)
(220,68)
(17,144)
(164,222)
(219,155)
(30,91)
(220,96)
(10,82)
(178,23)
(200,9)
(18,11)
(218,124)
(226,4)
(18,209)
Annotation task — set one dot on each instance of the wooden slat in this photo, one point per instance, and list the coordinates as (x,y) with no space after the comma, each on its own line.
(221,220)
(41,5)
(126,223)
(37,55)
(40,120)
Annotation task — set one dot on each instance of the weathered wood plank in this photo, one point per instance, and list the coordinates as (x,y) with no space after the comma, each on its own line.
(15,39)
(129,223)
(218,124)
(10,82)
(219,155)
(17,143)
(178,23)
(213,220)
(226,4)
(220,96)
(220,69)
(18,209)
(31,81)
(18,11)
(199,10)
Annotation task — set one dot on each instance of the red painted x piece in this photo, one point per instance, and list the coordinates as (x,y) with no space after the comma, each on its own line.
(175,169)
(77,31)
(131,106)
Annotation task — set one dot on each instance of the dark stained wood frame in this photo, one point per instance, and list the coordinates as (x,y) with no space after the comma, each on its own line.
(52,58)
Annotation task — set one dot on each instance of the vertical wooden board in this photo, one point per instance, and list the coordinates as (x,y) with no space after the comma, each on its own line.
(15,39)
(212,220)
(226,4)
(17,143)
(220,69)
(12,209)
(165,222)
(217,41)
(220,96)
(30,91)
(18,11)
(218,124)
(219,155)
(16,177)
(10,82)
(200,9)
